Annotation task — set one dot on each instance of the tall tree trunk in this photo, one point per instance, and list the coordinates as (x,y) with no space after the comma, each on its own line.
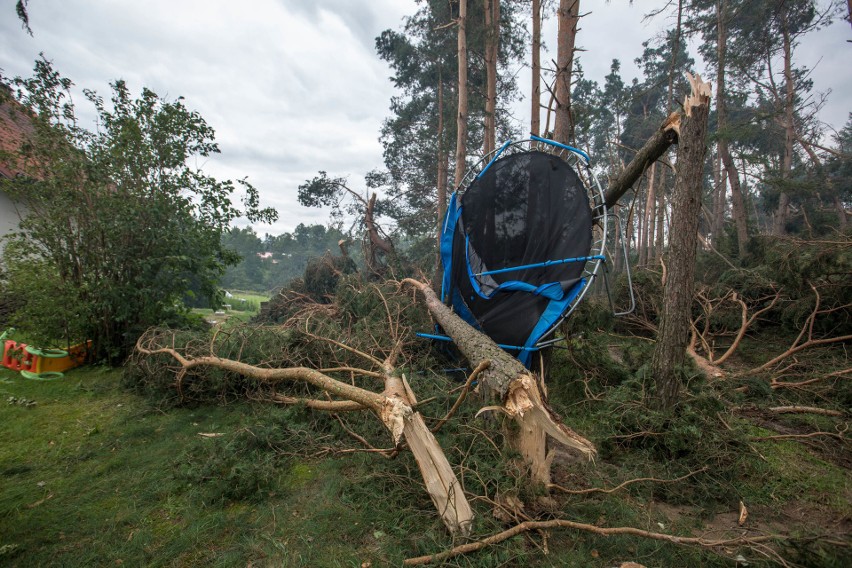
(673,333)
(738,209)
(620,235)
(569,14)
(779,221)
(737,202)
(535,97)
(720,183)
(675,47)
(661,190)
(661,216)
(492,44)
(652,215)
(442,161)
(642,227)
(461,119)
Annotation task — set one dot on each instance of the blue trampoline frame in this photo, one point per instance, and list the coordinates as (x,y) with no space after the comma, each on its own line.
(562,304)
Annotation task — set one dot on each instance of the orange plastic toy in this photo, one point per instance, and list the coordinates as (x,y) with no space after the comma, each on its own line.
(23,357)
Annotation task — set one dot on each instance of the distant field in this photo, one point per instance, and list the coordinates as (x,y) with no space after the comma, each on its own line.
(247,296)
(239,312)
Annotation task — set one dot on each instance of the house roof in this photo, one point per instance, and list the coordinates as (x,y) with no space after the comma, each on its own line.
(15,127)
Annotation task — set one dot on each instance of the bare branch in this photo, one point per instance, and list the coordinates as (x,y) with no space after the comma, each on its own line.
(805,410)
(603,531)
(625,484)
(481,367)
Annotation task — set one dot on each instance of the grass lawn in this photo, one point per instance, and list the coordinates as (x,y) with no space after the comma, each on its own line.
(92,475)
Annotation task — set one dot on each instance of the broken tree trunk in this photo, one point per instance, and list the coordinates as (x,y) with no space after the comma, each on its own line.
(377,246)
(649,153)
(394,407)
(673,333)
(516,387)
(441,482)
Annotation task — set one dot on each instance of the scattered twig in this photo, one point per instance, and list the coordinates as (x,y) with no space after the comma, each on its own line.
(625,484)
(358,437)
(481,367)
(349,348)
(39,502)
(805,410)
(746,323)
(776,384)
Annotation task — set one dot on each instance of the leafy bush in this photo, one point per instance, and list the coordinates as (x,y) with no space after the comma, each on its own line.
(119,226)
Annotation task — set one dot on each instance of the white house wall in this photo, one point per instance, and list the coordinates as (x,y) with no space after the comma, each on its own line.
(8,217)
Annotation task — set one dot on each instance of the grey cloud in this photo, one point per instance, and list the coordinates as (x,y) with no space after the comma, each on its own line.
(359,17)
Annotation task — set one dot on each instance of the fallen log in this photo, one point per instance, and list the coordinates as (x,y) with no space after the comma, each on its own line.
(516,387)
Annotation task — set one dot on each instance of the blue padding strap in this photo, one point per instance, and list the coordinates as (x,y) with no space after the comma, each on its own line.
(449,228)
(551,290)
(545,264)
(494,159)
(552,313)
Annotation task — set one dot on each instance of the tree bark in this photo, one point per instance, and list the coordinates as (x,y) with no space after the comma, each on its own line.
(461,119)
(650,216)
(441,482)
(649,153)
(673,333)
(517,388)
(535,97)
(717,220)
(492,42)
(442,160)
(569,15)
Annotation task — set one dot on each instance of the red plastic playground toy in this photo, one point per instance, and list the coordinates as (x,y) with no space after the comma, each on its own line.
(41,364)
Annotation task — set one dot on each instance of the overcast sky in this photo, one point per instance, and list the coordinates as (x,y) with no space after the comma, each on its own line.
(294,86)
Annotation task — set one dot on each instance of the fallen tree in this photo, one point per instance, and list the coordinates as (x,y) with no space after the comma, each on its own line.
(516,387)
(394,406)
(662,139)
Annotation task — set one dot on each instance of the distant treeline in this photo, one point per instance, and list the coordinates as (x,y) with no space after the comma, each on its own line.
(274,260)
